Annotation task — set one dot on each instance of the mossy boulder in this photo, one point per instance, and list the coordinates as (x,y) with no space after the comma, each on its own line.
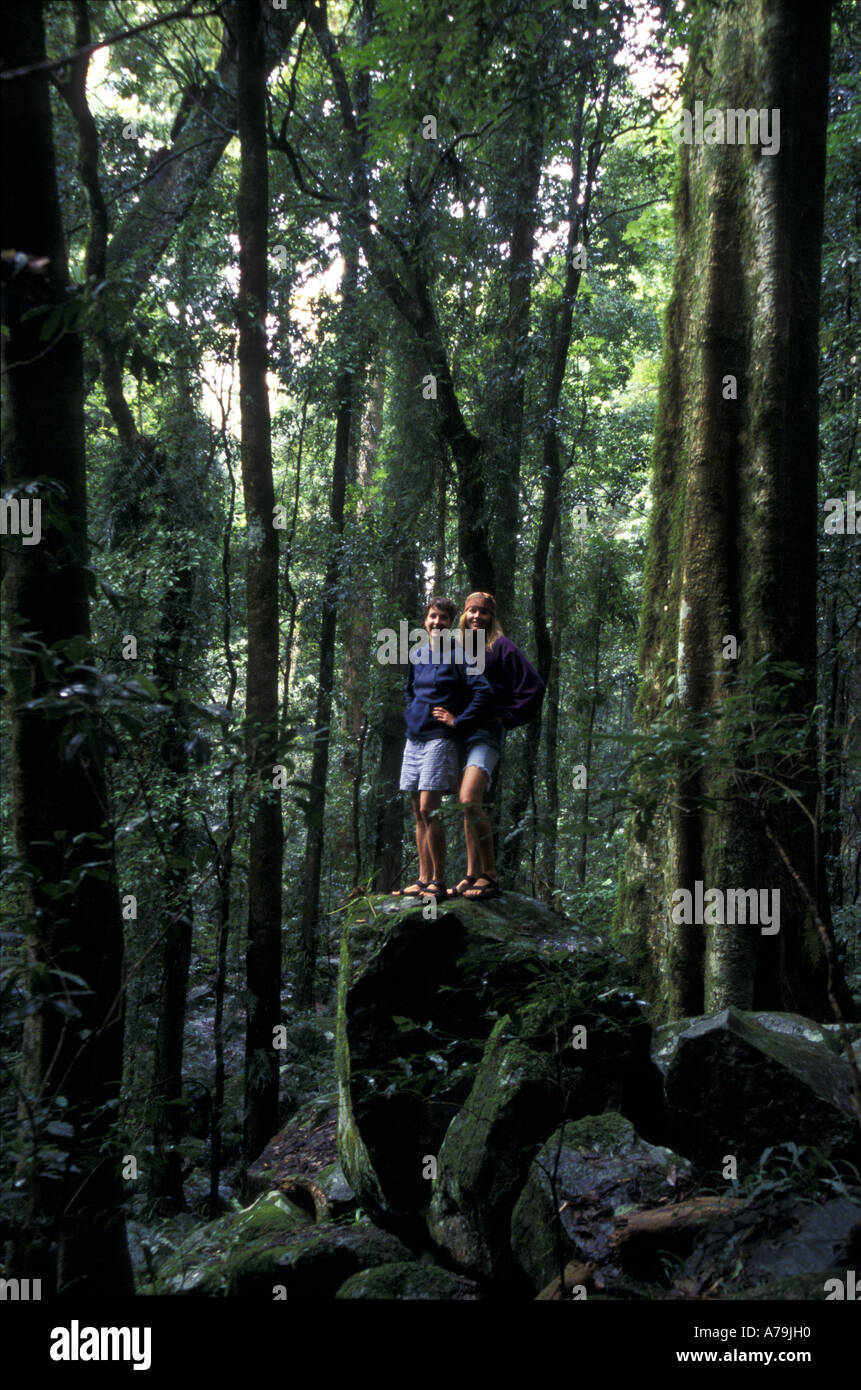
(734,1085)
(533,1074)
(413,1021)
(587,1172)
(311,1264)
(413,1018)
(417,1282)
(199,1265)
(487,1149)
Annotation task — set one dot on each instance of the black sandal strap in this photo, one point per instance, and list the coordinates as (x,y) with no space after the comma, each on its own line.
(420,885)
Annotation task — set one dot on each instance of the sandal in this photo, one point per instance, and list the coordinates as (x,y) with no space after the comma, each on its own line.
(488,889)
(436,889)
(414,890)
(467,881)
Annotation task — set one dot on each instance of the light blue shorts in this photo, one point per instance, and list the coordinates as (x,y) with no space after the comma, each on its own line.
(485,756)
(430,765)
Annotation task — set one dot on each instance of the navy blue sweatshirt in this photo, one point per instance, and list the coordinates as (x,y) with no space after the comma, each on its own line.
(457,687)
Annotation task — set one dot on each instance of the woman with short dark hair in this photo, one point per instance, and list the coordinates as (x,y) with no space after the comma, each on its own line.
(439,683)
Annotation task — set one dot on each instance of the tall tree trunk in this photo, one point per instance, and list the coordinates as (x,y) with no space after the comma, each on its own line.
(346,396)
(169,471)
(290,595)
(164,1173)
(263,962)
(223,851)
(552,469)
(414,302)
(61,818)
(732,548)
(357,629)
(441,518)
(551,720)
(590,732)
(405,588)
(528,162)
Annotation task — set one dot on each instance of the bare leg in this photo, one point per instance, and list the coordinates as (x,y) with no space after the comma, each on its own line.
(430,836)
(434,836)
(480,858)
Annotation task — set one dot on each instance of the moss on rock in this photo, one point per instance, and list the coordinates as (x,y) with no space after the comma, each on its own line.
(418,1282)
(312,1264)
(198,1266)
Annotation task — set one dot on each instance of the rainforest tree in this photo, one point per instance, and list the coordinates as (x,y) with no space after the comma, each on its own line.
(728,635)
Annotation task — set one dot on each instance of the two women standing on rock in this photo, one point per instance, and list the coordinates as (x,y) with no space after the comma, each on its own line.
(454,742)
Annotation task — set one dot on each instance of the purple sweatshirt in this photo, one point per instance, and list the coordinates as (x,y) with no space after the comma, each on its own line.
(518,690)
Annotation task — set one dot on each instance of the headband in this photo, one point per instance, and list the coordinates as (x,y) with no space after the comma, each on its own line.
(487,600)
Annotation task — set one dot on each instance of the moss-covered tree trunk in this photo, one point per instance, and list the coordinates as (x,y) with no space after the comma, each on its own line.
(732,549)
(75,1238)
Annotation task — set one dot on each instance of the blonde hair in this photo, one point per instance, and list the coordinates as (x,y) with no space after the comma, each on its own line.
(494,630)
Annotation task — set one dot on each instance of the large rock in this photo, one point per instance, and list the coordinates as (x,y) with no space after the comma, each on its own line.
(413,1022)
(777,1235)
(311,1264)
(301,1162)
(486,1149)
(529,1079)
(735,1084)
(584,1175)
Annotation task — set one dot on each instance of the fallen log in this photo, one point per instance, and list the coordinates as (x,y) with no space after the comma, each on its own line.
(673,1227)
(574,1274)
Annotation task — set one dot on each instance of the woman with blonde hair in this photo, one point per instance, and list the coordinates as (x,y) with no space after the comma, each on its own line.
(518,691)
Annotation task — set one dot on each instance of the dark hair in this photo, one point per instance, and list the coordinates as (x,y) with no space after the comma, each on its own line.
(444,605)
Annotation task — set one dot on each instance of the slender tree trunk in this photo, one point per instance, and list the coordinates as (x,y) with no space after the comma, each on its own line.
(63,832)
(346,395)
(263,963)
(551,720)
(357,629)
(224,851)
(732,549)
(528,163)
(578,213)
(414,303)
(164,1176)
(590,733)
(406,590)
(439,554)
(289,591)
